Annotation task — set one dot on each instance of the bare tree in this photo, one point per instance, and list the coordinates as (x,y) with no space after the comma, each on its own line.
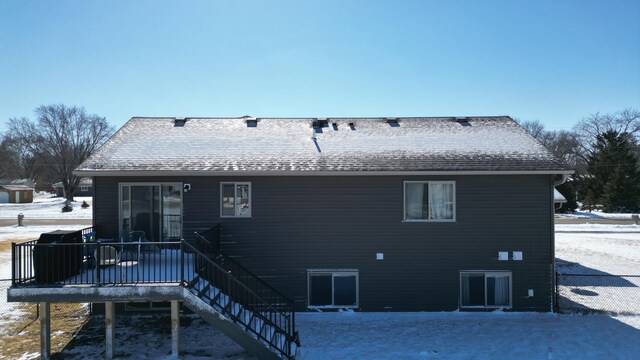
(588,129)
(533,127)
(563,144)
(61,137)
(19,160)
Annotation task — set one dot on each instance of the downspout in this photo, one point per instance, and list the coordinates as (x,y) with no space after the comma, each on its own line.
(562,180)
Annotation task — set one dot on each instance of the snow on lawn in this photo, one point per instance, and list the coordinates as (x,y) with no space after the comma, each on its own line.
(47,207)
(597,253)
(594,215)
(597,228)
(466,335)
(20,233)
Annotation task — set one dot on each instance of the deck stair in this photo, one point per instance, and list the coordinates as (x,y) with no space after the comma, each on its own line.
(239,303)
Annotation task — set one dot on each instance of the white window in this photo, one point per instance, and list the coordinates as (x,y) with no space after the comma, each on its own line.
(84,188)
(333,288)
(485,289)
(235,199)
(429,201)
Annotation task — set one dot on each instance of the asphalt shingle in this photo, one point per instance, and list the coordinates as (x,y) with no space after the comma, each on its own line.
(292,145)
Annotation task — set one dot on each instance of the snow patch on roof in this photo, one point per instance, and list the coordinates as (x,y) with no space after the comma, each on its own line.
(279,144)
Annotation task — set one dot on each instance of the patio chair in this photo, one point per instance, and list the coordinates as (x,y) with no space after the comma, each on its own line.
(108,256)
(134,238)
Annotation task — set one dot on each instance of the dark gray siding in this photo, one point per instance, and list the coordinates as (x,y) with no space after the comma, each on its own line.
(301,223)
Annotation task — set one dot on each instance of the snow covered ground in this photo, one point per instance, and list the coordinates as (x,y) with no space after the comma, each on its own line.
(46,207)
(452,335)
(603,228)
(594,215)
(596,253)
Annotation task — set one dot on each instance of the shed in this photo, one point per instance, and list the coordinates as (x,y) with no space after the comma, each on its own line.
(16,194)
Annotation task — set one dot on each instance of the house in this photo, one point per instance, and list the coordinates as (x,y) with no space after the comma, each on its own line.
(407,214)
(371,214)
(85,188)
(16,194)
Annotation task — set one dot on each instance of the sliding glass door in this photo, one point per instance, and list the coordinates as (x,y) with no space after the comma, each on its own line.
(155,209)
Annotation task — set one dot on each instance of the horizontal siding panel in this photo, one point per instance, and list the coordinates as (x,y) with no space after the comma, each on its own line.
(299,223)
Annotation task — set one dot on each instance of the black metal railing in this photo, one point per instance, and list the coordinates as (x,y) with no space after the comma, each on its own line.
(223,283)
(33,262)
(243,296)
(598,293)
(96,263)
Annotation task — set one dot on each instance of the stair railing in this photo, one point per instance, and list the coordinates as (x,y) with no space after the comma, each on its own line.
(244,297)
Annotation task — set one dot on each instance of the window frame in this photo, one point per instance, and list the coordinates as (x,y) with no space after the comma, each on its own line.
(486,273)
(235,197)
(333,273)
(84,188)
(428,183)
(121,190)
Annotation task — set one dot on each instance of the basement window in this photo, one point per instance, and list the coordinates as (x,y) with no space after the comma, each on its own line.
(332,288)
(235,199)
(485,289)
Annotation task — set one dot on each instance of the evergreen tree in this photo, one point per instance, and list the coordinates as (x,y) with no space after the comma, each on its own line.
(614,175)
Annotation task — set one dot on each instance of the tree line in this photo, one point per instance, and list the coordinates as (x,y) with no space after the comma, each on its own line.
(604,151)
(48,148)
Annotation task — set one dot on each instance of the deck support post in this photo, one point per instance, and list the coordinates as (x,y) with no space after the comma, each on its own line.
(110,340)
(45,330)
(175,328)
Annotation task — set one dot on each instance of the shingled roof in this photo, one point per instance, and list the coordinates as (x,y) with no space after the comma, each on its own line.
(201,146)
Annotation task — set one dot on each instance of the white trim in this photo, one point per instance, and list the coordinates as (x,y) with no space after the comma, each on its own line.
(235,197)
(485,273)
(333,273)
(404,199)
(125,173)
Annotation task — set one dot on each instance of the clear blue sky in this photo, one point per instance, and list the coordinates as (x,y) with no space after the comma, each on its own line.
(555,61)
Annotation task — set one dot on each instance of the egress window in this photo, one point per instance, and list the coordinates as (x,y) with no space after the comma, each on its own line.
(235,199)
(491,289)
(429,201)
(333,289)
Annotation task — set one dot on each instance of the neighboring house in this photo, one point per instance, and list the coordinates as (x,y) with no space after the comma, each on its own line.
(371,214)
(558,198)
(16,194)
(408,214)
(85,188)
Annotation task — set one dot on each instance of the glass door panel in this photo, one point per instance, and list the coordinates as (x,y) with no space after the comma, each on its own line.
(154,209)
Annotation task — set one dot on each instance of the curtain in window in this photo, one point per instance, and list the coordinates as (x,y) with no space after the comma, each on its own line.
(501,290)
(414,193)
(466,291)
(441,201)
(242,201)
